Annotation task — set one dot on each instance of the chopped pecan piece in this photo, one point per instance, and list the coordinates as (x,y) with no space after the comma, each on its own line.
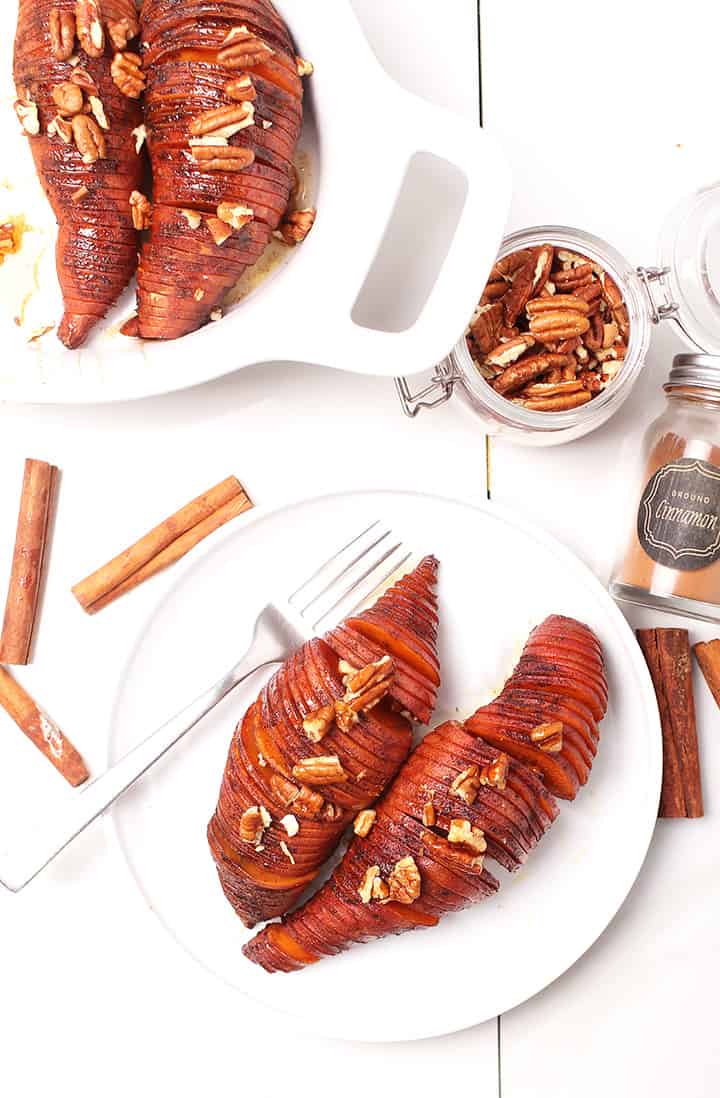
(291,825)
(78,195)
(62,128)
(363,822)
(363,690)
(140,134)
(296,225)
(304,68)
(380,890)
(320,770)
(287,852)
(141,210)
(62,34)
(429,815)
(98,112)
(317,725)
(470,839)
(68,98)
(404,882)
(84,80)
(89,138)
(27,114)
(88,21)
(549,736)
(7,239)
(241,90)
(243,50)
(495,773)
(219,230)
(236,216)
(253,824)
(467,784)
(366,885)
(128,76)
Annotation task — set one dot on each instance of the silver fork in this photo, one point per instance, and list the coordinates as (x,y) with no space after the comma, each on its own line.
(344,582)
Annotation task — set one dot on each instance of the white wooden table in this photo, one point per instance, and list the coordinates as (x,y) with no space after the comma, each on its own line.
(608,117)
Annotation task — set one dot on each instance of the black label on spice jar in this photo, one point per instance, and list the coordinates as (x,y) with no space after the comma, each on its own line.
(679,515)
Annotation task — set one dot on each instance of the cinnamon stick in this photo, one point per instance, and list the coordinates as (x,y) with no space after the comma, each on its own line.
(163,545)
(27,566)
(667,653)
(41,730)
(707,653)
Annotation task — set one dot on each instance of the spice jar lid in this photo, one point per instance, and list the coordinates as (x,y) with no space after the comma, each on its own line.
(690,250)
(695,371)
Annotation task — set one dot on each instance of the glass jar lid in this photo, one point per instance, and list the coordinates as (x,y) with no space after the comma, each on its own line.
(690,250)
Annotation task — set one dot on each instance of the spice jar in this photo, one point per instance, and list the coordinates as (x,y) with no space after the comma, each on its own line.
(684,287)
(671,560)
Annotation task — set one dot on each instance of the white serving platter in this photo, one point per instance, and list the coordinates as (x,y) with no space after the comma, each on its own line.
(361,133)
(499,577)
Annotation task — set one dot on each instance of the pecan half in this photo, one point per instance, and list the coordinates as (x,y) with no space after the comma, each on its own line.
(88,21)
(317,725)
(485,326)
(549,736)
(127,74)
(296,225)
(574,277)
(363,822)
(223,121)
(141,210)
(122,30)
(510,351)
(404,882)
(89,138)
(527,280)
(320,770)
(68,98)
(517,375)
(84,80)
(62,34)
(222,158)
(495,291)
(243,50)
(467,784)
(558,323)
(558,403)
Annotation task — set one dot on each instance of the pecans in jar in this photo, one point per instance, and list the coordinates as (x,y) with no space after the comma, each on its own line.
(551,330)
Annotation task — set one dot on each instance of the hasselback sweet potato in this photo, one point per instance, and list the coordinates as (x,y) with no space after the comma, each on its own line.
(224,109)
(559,680)
(319,745)
(80,125)
(465,794)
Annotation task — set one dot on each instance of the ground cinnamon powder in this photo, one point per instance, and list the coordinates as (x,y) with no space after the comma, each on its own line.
(637,568)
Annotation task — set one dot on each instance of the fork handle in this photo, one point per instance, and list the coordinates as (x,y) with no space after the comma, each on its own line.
(19,867)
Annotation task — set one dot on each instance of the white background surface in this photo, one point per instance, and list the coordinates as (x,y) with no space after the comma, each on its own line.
(94,998)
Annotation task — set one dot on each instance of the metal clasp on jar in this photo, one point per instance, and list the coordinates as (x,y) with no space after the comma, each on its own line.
(440,389)
(655,278)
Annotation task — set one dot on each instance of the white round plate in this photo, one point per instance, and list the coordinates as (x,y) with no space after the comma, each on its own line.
(499,577)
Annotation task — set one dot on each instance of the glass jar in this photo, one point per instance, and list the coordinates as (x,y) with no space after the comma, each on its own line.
(671,560)
(684,287)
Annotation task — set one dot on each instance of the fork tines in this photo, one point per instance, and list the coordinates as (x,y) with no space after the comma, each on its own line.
(351,575)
